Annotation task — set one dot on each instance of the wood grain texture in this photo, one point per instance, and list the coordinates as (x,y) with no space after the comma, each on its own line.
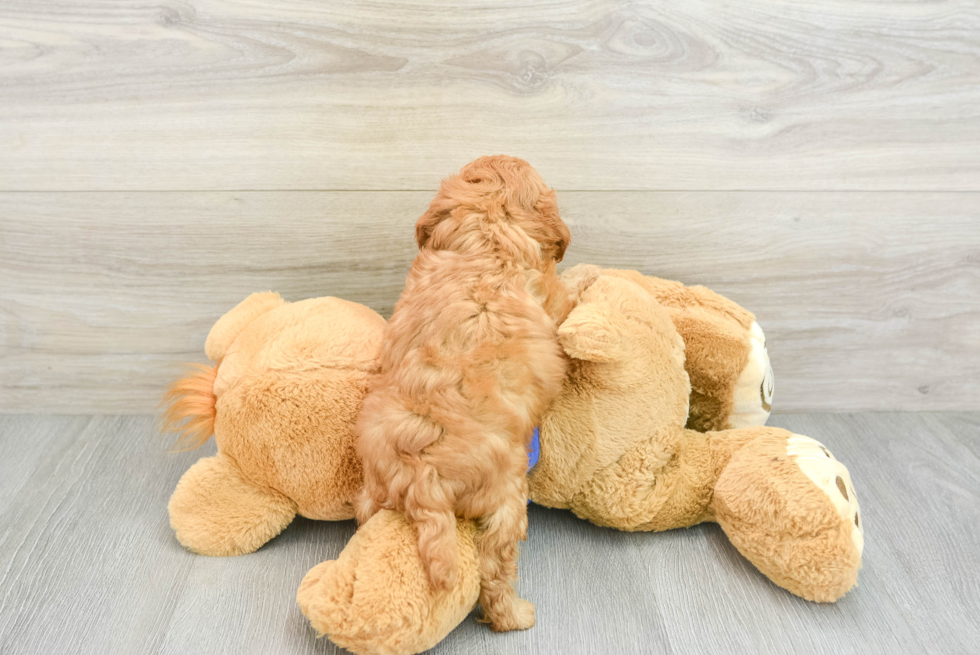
(870,301)
(300,94)
(88,563)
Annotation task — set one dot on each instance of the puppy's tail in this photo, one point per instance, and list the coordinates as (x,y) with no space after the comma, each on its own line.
(189,407)
(431,510)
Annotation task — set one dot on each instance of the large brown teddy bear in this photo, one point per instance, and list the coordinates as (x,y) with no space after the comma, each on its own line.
(619,447)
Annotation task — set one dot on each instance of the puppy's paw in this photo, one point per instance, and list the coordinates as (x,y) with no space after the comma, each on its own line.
(519,615)
(579,278)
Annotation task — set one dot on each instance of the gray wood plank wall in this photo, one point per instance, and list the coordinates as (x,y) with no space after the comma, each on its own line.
(818,163)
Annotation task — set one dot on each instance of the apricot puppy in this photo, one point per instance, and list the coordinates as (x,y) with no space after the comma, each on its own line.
(469,364)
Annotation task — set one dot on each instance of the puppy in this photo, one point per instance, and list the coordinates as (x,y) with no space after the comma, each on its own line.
(469,364)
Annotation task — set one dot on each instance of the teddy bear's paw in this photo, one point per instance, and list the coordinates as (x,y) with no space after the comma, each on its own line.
(753,391)
(215,510)
(789,507)
(823,469)
(375,598)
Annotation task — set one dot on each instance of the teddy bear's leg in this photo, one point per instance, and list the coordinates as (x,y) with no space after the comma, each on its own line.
(376,596)
(216,511)
(789,507)
(662,483)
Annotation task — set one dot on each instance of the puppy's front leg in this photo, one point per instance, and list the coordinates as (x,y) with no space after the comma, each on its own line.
(497,546)
(562,294)
(365,505)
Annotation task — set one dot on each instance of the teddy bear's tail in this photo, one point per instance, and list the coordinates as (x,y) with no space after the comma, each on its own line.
(189,407)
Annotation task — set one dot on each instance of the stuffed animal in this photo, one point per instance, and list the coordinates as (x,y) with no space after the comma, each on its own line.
(281,402)
(653,362)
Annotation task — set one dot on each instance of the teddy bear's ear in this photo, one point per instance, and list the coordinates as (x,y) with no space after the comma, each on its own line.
(593,332)
(229,326)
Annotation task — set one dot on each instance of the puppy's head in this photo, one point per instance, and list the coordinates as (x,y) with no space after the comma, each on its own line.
(496,204)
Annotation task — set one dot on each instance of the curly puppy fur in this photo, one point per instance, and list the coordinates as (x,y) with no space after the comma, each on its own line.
(469,364)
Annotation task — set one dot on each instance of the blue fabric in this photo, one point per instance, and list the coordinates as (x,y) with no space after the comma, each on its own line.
(533,453)
(534,450)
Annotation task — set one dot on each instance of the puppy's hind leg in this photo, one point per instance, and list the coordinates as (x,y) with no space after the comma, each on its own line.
(497,546)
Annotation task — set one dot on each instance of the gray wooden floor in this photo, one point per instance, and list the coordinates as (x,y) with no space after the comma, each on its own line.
(88,563)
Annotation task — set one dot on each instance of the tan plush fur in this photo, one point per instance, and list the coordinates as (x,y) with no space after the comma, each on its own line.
(217,510)
(615,451)
(469,364)
(291,379)
(282,402)
(783,523)
(376,597)
(713,328)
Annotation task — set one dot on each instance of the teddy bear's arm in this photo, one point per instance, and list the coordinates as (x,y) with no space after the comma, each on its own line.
(592,332)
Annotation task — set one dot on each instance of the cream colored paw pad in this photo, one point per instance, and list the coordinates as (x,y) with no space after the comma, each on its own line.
(753,391)
(819,464)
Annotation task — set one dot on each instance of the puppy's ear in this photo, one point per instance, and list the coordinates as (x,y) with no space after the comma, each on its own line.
(426,223)
(563,238)
(593,332)
(557,236)
(441,208)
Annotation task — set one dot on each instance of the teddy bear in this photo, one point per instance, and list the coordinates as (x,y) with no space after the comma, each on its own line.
(658,426)
(281,401)
(289,379)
